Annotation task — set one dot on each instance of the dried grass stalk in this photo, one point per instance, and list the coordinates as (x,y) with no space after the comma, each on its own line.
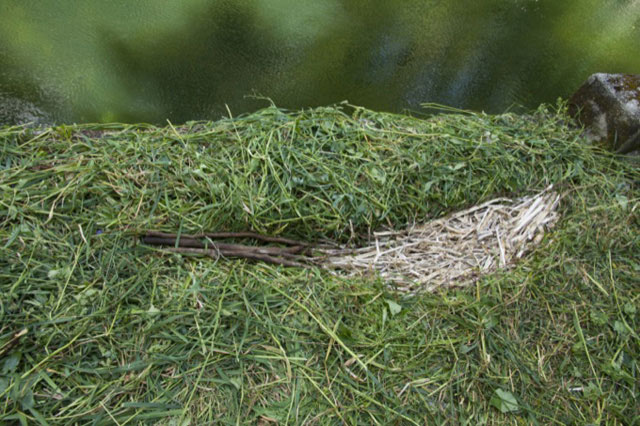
(457,249)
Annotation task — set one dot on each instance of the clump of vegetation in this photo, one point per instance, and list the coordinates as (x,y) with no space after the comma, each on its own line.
(98,328)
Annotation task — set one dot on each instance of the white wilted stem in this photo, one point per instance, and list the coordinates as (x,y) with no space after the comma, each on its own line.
(455,250)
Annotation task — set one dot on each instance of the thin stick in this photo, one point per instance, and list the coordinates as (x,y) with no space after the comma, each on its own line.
(287,256)
(244,255)
(193,243)
(221,235)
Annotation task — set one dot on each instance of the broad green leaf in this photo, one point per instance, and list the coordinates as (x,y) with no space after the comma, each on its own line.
(629,308)
(504,401)
(394,308)
(27,400)
(619,327)
(11,362)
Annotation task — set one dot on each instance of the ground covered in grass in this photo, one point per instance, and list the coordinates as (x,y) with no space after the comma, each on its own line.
(96,328)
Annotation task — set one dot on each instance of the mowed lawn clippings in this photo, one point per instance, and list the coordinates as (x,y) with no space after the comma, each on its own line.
(308,174)
(98,328)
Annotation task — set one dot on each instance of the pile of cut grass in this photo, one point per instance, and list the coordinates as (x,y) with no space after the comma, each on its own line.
(308,174)
(96,328)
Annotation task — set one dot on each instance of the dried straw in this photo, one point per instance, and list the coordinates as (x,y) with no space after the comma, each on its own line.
(457,249)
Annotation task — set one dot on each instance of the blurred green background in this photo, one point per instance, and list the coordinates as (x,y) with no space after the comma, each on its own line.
(153,60)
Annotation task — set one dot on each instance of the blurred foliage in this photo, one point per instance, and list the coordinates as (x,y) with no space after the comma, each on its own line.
(152,60)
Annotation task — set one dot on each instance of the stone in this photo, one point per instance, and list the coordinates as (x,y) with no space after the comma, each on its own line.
(608,105)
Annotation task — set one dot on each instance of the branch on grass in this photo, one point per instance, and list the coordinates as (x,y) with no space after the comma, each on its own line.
(298,254)
(226,235)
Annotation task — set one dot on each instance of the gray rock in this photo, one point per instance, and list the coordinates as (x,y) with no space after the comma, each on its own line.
(608,105)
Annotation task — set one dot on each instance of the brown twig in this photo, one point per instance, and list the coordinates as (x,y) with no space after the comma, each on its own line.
(226,235)
(296,255)
(215,254)
(193,243)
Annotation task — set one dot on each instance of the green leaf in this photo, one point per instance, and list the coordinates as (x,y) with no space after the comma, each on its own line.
(378,175)
(599,318)
(622,201)
(394,308)
(14,235)
(619,327)
(11,362)
(629,308)
(504,401)
(27,400)
(236,382)
(12,214)
(153,311)
(38,416)
(467,348)
(344,332)
(592,391)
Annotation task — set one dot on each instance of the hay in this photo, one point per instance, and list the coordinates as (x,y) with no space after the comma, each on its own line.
(455,250)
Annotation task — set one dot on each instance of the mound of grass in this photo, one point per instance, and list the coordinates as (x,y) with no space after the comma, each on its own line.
(307,174)
(96,328)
